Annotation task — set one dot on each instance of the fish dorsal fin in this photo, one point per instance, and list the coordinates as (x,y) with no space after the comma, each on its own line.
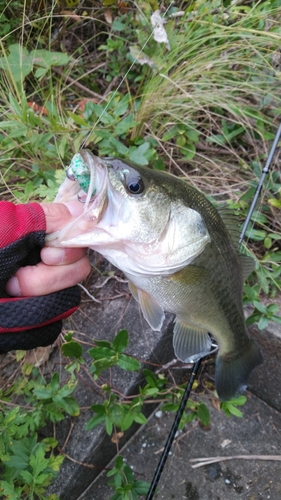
(190,343)
(247,265)
(231,222)
(152,311)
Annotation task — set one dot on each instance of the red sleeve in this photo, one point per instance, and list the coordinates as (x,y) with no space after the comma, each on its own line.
(17,221)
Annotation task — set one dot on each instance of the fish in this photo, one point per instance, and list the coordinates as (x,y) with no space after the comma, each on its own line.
(178,251)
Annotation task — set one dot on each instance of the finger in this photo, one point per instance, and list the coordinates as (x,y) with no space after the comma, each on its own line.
(42,279)
(59,214)
(60,256)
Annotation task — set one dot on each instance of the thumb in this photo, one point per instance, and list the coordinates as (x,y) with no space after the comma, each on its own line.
(59,214)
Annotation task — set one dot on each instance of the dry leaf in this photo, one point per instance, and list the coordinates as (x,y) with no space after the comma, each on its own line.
(116,437)
(159,32)
(38,356)
(71,14)
(225,443)
(108,16)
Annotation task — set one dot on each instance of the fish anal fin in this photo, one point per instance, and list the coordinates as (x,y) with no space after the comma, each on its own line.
(232,372)
(151,310)
(247,265)
(190,343)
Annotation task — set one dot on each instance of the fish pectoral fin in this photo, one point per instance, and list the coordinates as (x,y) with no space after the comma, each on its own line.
(134,291)
(247,264)
(190,343)
(151,310)
(189,275)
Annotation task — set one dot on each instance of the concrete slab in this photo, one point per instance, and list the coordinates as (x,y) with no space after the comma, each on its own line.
(257,433)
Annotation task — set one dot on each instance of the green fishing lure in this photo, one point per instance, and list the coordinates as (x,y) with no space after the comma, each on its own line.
(78,170)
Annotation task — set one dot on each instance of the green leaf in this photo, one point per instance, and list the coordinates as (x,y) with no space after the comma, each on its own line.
(256,234)
(127,363)
(140,418)
(240,401)
(17,462)
(102,352)
(170,133)
(189,151)
(234,411)
(122,106)
(38,462)
(263,322)
(68,404)
(10,491)
(46,58)
(94,422)
(141,487)
(108,425)
(192,135)
(128,420)
(40,72)
(55,382)
(217,139)
(273,308)
(117,24)
(118,146)
(72,349)
(101,343)
(152,391)
(120,342)
(138,155)
(277,319)
(27,477)
(260,307)
(203,414)
(125,125)
(229,407)
(18,63)
(116,414)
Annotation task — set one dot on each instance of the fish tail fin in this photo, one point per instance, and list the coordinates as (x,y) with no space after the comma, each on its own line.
(232,372)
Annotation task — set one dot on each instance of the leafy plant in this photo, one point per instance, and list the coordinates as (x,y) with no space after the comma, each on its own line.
(230,407)
(27,465)
(124,483)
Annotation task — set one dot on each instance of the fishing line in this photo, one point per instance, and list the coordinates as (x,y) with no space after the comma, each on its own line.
(196,366)
(124,77)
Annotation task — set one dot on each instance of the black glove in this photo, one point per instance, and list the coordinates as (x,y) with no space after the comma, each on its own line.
(28,322)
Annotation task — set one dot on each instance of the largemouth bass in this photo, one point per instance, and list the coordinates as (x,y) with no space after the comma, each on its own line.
(179,253)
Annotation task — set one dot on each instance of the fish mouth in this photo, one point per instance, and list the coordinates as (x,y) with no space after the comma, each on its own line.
(87,182)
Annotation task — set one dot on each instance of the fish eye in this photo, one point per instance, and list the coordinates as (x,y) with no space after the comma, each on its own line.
(135,187)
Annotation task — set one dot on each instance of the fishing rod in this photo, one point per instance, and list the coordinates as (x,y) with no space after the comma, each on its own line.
(196,365)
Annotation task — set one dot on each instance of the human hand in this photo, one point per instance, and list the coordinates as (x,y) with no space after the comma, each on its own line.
(59,267)
(34,317)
